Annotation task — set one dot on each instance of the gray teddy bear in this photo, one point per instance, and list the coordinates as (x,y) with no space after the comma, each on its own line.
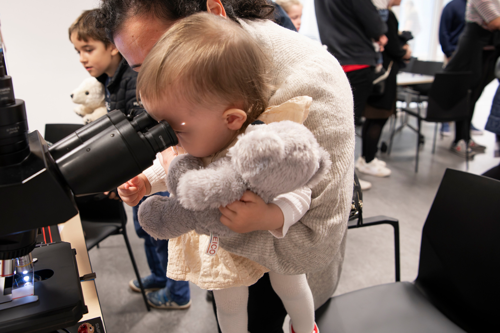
(268,160)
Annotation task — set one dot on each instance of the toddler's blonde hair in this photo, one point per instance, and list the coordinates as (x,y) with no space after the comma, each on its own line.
(205,58)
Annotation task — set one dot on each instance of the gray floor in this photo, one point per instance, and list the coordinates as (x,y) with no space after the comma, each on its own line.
(369,256)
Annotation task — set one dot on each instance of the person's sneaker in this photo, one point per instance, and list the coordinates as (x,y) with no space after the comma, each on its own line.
(445,129)
(159,299)
(459,148)
(475,131)
(476,147)
(364,185)
(315,329)
(148,283)
(373,168)
(382,163)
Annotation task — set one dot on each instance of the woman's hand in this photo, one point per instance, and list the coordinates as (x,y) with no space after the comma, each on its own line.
(169,154)
(251,213)
(407,56)
(134,190)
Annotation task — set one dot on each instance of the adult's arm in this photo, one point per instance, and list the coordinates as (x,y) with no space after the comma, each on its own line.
(301,67)
(393,48)
(444,31)
(369,18)
(489,12)
(494,24)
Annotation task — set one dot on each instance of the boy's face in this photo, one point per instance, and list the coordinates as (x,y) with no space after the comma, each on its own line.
(295,14)
(201,130)
(94,55)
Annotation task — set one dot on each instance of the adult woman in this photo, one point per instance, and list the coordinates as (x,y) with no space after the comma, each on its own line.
(477,51)
(379,108)
(298,67)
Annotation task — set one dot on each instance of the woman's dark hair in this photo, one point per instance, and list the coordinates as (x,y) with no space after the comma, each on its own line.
(113,13)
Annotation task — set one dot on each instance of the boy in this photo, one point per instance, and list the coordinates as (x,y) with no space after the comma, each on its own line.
(103,61)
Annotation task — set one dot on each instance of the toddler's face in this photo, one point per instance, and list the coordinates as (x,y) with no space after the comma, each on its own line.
(201,130)
(94,55)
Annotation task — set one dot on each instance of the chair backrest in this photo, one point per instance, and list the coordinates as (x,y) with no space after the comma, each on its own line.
(449,97)
(56,132)
(426,67)
(460,250)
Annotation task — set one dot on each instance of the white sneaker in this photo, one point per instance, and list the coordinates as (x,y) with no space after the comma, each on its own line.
(373,168)
(364,185)
(382,163)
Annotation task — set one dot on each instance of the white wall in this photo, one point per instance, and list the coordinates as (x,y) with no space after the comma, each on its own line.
(40,58)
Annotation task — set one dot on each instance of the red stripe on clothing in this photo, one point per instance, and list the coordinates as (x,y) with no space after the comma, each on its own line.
(350,68)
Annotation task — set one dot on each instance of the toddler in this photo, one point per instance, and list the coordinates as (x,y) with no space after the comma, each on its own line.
(207,78)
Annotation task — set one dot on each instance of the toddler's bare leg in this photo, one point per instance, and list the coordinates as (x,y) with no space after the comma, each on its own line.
(232,309)
(297,298)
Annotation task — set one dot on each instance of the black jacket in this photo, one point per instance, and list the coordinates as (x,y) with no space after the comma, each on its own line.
(394,52)
(347,28)
(122,90)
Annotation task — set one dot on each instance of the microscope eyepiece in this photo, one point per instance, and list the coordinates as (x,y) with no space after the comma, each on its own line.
(14,147)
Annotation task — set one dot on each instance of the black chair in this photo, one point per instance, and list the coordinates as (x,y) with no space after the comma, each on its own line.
(448,100)
(356,221)
(101,217)
(416,66)
(456,289)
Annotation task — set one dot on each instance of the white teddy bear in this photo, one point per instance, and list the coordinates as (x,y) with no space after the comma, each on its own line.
(90,97)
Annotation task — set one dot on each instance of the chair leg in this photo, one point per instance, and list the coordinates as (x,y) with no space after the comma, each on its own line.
(467,156)
(418,144)
(376,220)
(435,136)
(392,126)
(124,233)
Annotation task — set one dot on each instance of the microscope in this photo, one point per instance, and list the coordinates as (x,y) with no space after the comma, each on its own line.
(40,288)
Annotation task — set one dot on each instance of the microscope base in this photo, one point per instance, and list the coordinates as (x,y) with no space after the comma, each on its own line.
(18,302)
(60,299)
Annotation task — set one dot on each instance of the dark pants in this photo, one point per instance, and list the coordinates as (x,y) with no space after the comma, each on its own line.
(361,82)
(462,128)
(266,313)
(372,130)
(473,56)
(157,257)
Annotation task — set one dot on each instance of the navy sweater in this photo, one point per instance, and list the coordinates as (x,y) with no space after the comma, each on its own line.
(451,26)
(120,90)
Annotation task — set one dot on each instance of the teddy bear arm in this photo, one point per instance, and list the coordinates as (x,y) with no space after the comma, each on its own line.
(179,166)
(165,218)
(81,110)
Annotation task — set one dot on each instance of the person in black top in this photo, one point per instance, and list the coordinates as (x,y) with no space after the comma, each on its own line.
(380,107)
(349,28)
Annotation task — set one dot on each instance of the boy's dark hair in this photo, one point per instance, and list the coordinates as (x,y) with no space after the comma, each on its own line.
(85,27)
(114,12)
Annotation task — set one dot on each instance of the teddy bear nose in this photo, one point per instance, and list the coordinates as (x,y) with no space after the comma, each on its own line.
(71,95)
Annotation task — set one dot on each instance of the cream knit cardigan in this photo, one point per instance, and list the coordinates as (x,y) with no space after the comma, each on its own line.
(316,244)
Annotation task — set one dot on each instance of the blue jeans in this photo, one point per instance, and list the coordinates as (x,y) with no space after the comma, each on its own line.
(157,257)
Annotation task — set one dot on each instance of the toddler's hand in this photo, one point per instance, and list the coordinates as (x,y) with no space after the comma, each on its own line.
(251,213)
(134,190)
